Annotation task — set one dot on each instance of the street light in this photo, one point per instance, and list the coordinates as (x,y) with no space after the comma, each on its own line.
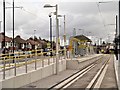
(74,31)
(35,51)
(105,2)
(4,27)
(82,31)
(57,54)
(50,32)
(64,34)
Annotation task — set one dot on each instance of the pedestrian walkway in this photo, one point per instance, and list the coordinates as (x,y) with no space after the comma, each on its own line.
(109,80)
(51,80)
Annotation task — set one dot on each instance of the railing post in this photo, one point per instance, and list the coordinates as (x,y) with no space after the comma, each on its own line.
(48,60)
(26,64)
(35,60)
(4,68)
(14,65)
(43,62)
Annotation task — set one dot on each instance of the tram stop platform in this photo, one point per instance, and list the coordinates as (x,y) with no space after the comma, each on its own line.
(54,79)
(48,81)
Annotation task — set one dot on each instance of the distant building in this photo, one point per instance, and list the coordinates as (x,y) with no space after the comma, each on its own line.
(20,43)
(8,41)
(31,44)
(80,45)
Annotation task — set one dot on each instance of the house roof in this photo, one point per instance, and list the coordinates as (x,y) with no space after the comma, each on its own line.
(7,39)
(32,42)
(18,39)
(82,37)
(41,42)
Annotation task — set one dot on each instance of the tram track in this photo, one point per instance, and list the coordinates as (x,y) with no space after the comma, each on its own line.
(71,79)
(96,79)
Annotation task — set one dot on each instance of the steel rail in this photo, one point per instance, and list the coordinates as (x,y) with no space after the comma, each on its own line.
(97,80)
(75,76)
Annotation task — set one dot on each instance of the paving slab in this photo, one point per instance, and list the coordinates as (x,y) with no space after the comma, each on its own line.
(109,80)
(117,71)
(51,80)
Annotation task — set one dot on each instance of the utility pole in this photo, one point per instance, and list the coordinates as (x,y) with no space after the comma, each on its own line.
(13,7)
(119,36)
(3,42)
(57,36)
(4,25)
(116,26)
(116,43)
(13,30)
(64,37)
(50,34)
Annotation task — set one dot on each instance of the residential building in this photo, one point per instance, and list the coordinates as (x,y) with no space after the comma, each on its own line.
(20,43)
(8,41)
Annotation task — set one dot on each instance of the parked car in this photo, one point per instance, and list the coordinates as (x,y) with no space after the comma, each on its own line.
(46,52)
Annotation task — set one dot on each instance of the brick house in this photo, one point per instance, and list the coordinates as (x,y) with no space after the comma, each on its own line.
(20,43)
(8,41)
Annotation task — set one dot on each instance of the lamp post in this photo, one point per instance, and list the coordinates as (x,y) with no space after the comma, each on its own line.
(13,35)
(64,34)
(50,33)
(82,31)
(74,32)
(119,37)
(35,51)
(4,35)
(117,32)
(4,26)
(57,54)
(13,7)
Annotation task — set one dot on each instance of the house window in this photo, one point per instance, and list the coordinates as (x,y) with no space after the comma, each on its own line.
(11,43)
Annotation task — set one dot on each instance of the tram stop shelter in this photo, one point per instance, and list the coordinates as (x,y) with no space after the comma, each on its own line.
(80,45)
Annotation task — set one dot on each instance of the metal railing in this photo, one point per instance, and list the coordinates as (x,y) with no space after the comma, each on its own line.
(23,62)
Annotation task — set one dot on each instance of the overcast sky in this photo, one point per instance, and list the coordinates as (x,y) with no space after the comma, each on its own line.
(88,15)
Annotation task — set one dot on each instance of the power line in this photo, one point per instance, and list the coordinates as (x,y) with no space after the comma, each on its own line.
(101,15)
(27,11)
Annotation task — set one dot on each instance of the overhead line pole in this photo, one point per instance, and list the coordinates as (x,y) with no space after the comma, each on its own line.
(64,36)
(4,35)
(4,24)
(118,46)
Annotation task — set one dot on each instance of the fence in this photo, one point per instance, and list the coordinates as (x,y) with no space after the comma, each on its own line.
(24,62)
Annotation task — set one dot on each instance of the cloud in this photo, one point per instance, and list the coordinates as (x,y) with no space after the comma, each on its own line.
(85,15)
